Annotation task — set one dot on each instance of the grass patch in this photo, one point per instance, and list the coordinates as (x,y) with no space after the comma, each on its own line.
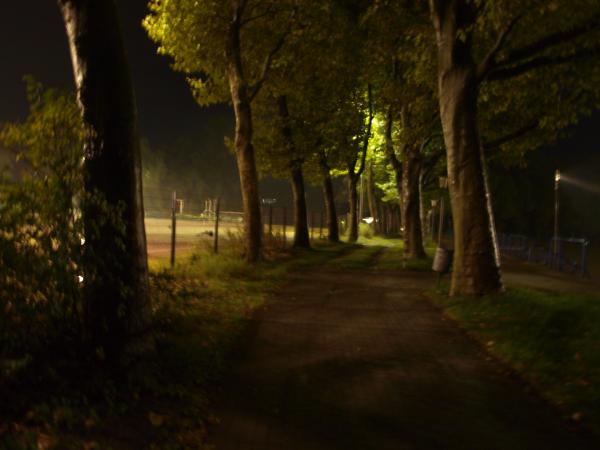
(552,340)
(360,257)
(393,258)
(160,400)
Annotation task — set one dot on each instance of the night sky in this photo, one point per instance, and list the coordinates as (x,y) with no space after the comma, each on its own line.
(34,42)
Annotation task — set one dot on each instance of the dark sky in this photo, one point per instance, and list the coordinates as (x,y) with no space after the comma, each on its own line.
(34,42)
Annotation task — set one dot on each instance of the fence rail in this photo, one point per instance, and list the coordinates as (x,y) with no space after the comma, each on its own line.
(573,261)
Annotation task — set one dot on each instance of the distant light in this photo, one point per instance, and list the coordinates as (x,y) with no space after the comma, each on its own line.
(557,175)
(368,220)
(82,241)
(80,278)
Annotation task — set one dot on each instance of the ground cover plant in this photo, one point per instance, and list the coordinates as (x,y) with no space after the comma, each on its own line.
(160,399)
(550,339)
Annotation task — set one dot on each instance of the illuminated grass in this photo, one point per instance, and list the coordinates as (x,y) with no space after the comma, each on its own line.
(359,258)
(550,339)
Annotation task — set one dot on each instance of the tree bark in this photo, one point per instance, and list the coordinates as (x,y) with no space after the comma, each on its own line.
(422,209)
(353,213)
(391,156)
(116,271)
(411,214)
(333,233)
(476,268)
(244,149)
(301,236)
(372,199)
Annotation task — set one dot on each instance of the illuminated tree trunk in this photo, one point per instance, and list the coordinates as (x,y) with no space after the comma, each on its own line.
(328,194)
(422,212)
(116,272)
(411,208)
(353,214)
(476,268)
(372,199)
(391,156)
(244,149)
(301,236)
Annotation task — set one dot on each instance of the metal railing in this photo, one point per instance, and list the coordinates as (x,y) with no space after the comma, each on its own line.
(524,247)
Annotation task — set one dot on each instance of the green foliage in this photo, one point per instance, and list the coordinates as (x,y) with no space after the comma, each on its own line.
(40,226)
(195,35)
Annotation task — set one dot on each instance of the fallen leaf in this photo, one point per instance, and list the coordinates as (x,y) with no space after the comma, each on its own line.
(156,419)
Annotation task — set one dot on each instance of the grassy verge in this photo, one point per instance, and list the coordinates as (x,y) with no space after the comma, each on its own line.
(393,258)
(552,340)
(160,400)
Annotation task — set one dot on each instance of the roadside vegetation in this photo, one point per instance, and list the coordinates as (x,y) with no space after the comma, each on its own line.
(550,339)
(159,399)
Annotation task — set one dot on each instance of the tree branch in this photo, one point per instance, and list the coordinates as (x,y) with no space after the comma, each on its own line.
(368,134)
(266,67)
(511,136)
(489,60)
(539,62)
(389,146)
(550,41)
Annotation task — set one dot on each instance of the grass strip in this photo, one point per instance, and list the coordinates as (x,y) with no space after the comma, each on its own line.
(551,340)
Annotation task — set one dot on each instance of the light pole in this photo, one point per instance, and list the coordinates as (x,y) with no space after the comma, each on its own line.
(555,246)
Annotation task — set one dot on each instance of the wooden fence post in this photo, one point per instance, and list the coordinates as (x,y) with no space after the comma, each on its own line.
(284,226)
(217,211)
(173,227)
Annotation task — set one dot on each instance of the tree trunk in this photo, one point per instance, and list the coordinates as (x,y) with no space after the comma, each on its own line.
(244,149)
(116,271)
(353,213)
(373,207)
(476,268)
(301,237)
(391,155)
(333,233)
(411,217)
(422,210)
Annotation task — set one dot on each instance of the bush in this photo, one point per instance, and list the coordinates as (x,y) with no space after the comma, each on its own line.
(365,230)
(40,228)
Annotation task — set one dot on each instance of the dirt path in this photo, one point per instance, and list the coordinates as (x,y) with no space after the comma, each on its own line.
(360,360)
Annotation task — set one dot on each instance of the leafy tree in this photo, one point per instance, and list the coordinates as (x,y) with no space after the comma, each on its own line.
(303,94)
(281,154)
(116,272)
(482,43)
(40,225)
(228,49)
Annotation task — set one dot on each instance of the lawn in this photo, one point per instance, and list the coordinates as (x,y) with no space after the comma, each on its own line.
(551,340)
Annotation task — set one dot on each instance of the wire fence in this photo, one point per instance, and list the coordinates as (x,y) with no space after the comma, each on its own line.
(176,231)
(563,254)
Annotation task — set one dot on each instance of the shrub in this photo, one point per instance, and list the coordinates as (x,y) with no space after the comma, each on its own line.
(40,228)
